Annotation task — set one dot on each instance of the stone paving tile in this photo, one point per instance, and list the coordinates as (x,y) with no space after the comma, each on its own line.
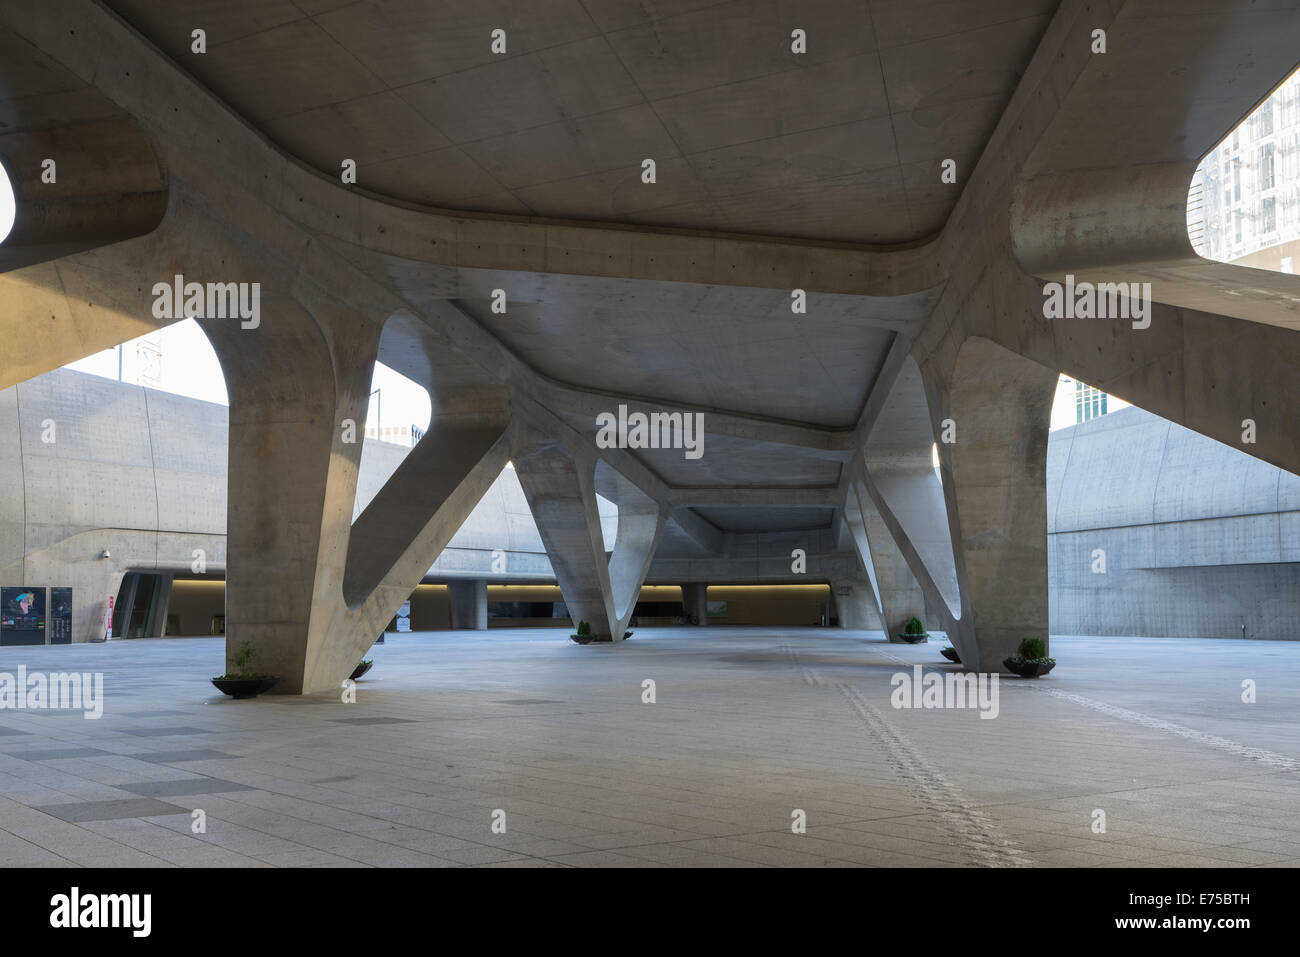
(58,754)
(605,859)
(750,724)
(163,732)
(104,810)
(182,756)
(183,787)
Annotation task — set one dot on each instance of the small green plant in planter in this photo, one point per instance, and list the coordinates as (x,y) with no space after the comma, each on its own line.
(243,681)
(584,635)
(914,632)
(1030,659)
(362,668)
(950,653)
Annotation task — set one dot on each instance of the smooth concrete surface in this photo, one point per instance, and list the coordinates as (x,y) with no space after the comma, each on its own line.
(469,605)
(561,490)
(92,466)
(695,602)
(1155,530)
(748,726)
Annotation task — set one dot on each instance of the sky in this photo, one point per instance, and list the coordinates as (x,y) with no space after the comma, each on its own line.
(6,205)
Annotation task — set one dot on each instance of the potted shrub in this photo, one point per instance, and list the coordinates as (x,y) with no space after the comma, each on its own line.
(1030,659)
(362,668)
(950,653)
(914,632)
(584,635)
(243,681)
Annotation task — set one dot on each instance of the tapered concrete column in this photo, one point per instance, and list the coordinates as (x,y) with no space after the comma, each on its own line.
(559,485)
(469,605)
(975,537)
(898,596)
(995,485)
(309,588)
(695,602)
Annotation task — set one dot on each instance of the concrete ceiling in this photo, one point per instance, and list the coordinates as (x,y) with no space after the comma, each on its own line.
(733,518)
(699,346)
(841,143)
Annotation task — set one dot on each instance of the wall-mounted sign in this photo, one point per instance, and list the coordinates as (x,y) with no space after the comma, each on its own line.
(22,616)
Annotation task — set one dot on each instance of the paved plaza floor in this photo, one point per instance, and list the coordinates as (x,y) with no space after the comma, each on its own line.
(452,733)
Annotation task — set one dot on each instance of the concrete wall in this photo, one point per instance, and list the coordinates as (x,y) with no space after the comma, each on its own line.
(771,604)
(1198,538)
(88,465)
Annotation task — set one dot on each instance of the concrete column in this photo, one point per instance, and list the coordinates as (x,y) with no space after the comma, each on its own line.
(695,602)
(975,538)
(901,504)
(469,605)
(560,487)
(995,482)
(310,588)
(898,596)
(854,605)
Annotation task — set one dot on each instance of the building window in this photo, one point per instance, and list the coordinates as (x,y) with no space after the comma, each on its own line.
(1264,118)
(1266,178)
(1089,403)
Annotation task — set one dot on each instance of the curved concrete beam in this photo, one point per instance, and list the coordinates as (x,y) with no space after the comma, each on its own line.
(107,186)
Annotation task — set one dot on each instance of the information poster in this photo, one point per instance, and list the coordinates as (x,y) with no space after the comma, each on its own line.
(60,616)
(22,616)
(404,616)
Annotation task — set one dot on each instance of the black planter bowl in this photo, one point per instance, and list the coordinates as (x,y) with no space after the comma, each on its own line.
(583,639)
(244,687)
(914,639)
(1028,669)
(950,654)
(361,669)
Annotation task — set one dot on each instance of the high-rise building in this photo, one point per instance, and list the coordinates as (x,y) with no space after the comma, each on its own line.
(1244,202)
